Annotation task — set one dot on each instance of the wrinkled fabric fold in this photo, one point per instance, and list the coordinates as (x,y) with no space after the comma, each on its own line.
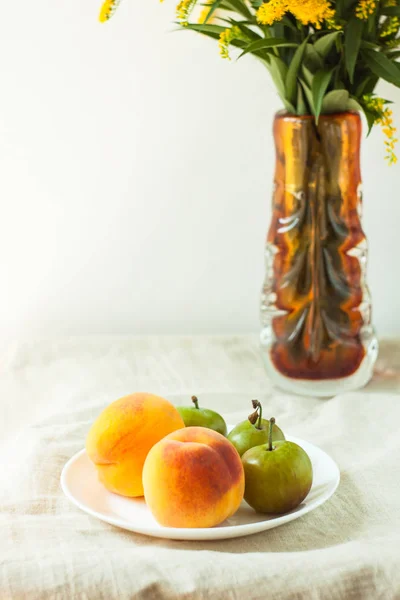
(50,392)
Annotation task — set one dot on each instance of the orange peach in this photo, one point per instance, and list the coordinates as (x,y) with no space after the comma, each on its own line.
(193,478)
(121,437)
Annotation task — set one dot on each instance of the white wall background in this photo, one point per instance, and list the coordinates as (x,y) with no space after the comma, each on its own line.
(135,178)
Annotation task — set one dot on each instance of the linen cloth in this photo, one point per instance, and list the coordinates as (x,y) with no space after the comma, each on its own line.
(50,392)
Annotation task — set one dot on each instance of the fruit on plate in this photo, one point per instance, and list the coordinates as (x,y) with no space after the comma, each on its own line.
(253,431)
(194,416)
(122,435)
(193,478)
(278,476)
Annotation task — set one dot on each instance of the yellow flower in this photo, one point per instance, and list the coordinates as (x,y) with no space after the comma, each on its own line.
(204,14)
(108,9)
(384,117)
(390,26)
(183,11)
(393,44)
(308,12)
(313,12)
(365,8)
(331,23)
(226,38)
(272,11)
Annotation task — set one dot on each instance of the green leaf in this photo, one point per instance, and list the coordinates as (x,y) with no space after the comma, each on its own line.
(308,76)
(301,104)
(289,106)
(340,7)
(382,66)
(391,11)
(246,30)
(286,21)
(352,42)
(353,104)
(212,31)
(366,86)
(324,44)
(291,79)
(205,29)
(393,55)
(337,82)
(267,43)
(213,7)
(319,86)
(371,84)
(370,119)
(241,8)
(369,45)
(312,59)
(278,71)
(256,3)
(308,94)
(335,101)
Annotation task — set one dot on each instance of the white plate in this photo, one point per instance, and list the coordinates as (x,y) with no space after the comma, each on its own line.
(80,484)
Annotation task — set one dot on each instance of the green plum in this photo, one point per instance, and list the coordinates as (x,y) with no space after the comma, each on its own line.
(253,432)
(194,416)
(278,476)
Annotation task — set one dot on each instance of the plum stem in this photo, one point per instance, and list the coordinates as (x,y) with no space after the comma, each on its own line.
(253,417)
(259,406)
(256,416)
(271,426)
(195,401)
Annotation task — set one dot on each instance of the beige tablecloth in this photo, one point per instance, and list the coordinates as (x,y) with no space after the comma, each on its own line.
(50,392)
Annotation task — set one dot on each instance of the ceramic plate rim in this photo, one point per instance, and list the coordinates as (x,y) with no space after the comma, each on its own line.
(206,533)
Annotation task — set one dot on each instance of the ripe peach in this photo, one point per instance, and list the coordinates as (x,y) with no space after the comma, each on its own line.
(193,478)
(121,437)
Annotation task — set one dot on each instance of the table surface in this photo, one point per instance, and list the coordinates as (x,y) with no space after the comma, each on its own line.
(50,392)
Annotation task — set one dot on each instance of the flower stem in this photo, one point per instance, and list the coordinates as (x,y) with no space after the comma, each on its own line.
(271,426)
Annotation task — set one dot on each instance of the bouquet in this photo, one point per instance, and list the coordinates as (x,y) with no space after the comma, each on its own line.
(324,56)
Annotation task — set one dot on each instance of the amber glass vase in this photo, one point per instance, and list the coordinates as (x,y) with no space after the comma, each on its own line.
(317,337)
